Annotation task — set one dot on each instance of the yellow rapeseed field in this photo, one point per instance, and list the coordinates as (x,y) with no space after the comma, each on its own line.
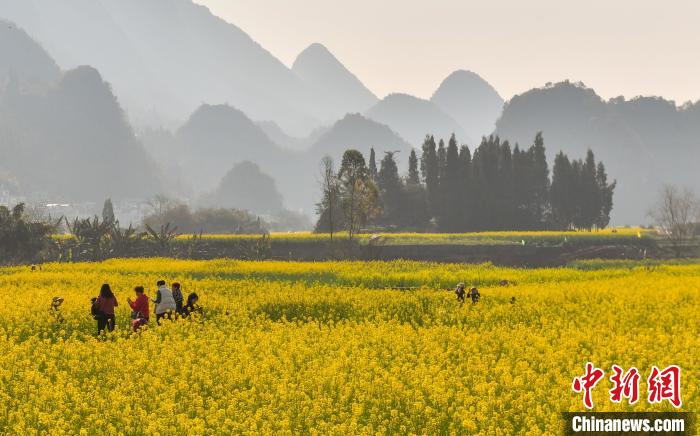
(331,348)
(472,238)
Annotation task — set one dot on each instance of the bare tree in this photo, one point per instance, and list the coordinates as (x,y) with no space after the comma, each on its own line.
(330,195)
(676,213)
(160,204)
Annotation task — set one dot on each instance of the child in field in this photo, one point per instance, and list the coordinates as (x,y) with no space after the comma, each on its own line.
(164,301)
(105,304)
(474,295)
(460,292)
(139,309)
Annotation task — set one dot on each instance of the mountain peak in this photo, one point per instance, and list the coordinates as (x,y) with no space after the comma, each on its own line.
(23,56)
(471,100)
(316,50)
(462,76)
(338,89)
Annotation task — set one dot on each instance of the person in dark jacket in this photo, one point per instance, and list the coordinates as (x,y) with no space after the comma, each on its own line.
(177,296)
(191,306)
(105,303)
(474,295)
(460,292)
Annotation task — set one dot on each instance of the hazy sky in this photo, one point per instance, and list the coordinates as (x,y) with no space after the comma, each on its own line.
(617,47)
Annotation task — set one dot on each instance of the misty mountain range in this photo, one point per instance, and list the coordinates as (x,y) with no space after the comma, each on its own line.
(203,96)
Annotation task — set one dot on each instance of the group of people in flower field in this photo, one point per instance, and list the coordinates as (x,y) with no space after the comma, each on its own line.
(462,294)
(168,304)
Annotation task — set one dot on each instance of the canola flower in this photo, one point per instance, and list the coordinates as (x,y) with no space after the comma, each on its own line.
(330,348)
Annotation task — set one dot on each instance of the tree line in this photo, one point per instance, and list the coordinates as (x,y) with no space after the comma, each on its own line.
(450,189)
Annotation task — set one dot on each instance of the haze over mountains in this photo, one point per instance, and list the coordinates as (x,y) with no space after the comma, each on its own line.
(644,142)
(24,58)
(205,97)
(471,100)
(63,136)
(412,117)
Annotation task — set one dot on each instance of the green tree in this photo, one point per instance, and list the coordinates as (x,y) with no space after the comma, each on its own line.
(577,221)
(359,194)
(538,180)
(390,189)
(522,189)
(562,192)
(606,196)
(485,170)
(590,194)
(465,182)
(413,174)
(21,239)
(451,189)
(430,170)
(504,200)
(415,214)
(372,165)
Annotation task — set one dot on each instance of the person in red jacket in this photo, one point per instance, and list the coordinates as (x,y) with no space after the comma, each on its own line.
(139,307)
(105,302)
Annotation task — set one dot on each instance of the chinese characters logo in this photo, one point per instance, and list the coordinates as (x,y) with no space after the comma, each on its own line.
(661,384)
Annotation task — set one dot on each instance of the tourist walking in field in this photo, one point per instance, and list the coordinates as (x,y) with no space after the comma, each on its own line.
(164,302)
(104,308)
(460,293)
(140,312)
(474,295)
(177,296)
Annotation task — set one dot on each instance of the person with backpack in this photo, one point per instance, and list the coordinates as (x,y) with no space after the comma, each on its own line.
(164,301)
(460,292)
(177,296)
(474,295)
(140,312)
(103,309)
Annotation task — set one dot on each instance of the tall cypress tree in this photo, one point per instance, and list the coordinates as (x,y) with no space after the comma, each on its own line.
(606,196)
(451,211)
(413,175)
(539,181)
(485,169)
(504,192)
(414,210)
(466,188)
(577,192)
(372,168)
(522,188)
(442,158)
(108,212)
(430,170)
(562,192)
(441,194)
(390,189)
(590,194)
